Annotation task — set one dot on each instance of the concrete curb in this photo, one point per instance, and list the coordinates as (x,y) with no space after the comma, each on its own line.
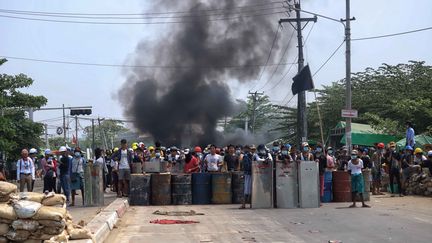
(102,224)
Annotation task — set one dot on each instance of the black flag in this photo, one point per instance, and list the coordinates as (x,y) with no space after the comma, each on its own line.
(302,81)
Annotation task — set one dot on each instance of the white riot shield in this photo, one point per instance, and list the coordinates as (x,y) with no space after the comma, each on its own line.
(262,185)
(309,184)
(286,185)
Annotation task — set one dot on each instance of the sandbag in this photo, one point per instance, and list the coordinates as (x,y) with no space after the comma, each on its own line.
(38,235)
(52,223)
(7,212)
(50,213)
(7,188)
(6,221)
(32,241)
(3,239)
(79,234)
(52,230)
(26,209)
(25,224)
(18,235)
(31,196)
(4,228)
(63,237)
(54,200)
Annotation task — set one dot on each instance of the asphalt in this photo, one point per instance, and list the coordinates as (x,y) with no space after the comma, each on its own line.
(407,219)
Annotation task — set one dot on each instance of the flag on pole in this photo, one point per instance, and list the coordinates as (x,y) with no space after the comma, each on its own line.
(302,81)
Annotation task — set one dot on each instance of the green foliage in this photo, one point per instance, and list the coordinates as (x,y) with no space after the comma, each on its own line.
(17,132)
(286,122)
(111,128)
(56,142)
(386,98)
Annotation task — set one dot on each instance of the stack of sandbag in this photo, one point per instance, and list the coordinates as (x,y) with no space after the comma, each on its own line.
(420,184)
(7,190)
(36,217)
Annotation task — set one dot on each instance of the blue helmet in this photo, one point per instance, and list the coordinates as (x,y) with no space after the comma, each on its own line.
(409,148)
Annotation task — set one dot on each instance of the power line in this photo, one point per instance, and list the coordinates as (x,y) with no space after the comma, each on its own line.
(148,13)
(139,17)
(141,23)
(140,66)
(391,35)
(328,59)
(270,53)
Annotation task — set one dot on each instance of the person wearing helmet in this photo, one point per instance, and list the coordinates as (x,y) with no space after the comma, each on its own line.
(77,175)
(124,158)
(262,155)
(150,153)
(65,169)
(36,163)
(393,161)
(25,171)
(376,169)
(49,168)
(419,157)
(305,153)
(355,166)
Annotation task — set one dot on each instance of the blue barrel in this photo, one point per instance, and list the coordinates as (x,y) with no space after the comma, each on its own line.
(327,196)
(201,188)
(221,188)
(181,188)
(328,176)
(328,187)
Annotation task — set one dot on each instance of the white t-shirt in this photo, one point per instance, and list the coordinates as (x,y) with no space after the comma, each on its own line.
(124,164)
(213,161)
(355,169)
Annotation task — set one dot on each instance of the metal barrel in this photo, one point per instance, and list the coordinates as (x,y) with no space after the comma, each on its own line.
(181,188)
(140,190)
(161,189)
(328,187)
(137,168)
(221,188)
(201,188)
(341,186)
(237,187)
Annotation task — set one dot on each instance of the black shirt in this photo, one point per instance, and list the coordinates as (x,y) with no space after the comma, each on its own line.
(64,165)
(231,161)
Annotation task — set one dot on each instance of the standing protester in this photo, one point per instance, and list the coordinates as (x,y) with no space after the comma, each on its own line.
(246,163)
(410,135)
(108,154)
(213,161)
(25,171)
(114,171)
(331,160)
(343,159)
(49,168)
(321,159)
(419,157)
(158,157)
(77,174)
(100,160)
(191,163)
(407,162)
(355,166)
(124,158)
(393,160)
(200,158)
(305,154)
(65,168)
(33,157)
(174,160)
(231,159)
(376,170)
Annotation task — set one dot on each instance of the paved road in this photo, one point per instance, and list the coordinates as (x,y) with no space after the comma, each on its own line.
(407,219)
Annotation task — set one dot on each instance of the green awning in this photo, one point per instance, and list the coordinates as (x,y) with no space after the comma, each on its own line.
(421,141)
(365,135)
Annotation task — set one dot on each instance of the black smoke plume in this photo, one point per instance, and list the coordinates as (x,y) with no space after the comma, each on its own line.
(182,103)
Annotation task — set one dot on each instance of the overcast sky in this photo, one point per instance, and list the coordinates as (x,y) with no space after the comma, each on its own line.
(111,44)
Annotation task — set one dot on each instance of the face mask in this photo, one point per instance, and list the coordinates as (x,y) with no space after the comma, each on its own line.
(262,151)
(285,152)
(319,150)
(275,148)
(306,149)
(330,152)
(238,152)
(392,149)
(353,156)
(158,155)
(77,154)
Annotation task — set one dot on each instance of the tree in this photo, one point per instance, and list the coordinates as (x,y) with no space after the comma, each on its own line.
(386,98)
(286,122)
(16,131)
(109,130)
(56,142)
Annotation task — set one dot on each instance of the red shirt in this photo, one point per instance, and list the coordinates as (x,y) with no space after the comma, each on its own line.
(193,163)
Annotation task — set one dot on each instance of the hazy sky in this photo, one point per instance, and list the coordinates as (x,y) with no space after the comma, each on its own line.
(111,44)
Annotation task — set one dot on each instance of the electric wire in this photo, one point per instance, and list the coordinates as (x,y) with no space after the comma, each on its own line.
(391,35)
(328,59)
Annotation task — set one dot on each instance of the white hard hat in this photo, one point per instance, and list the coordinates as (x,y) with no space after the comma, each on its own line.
(33,151)
(63,149)
(47,151)
(430,153)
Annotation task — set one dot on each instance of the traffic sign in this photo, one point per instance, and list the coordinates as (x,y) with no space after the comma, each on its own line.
(59,130)
(350,113)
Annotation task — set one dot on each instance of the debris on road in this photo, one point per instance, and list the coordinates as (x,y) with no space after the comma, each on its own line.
(173,221)
(177,213)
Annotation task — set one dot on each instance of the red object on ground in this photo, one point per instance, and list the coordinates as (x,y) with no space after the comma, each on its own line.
(173,221)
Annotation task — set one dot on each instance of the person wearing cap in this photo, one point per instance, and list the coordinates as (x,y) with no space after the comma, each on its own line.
(49,168)
(25,171)
(36,163)
(124,158)
(393,161)
(376,168)
(355,166)
(77,174)
(65,169)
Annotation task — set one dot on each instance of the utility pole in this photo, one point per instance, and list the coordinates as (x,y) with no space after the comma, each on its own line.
(348,134)
(301,98)
(93,135)
(64,124)
(46,136)
(76,131)
(102,133)
(254,104)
